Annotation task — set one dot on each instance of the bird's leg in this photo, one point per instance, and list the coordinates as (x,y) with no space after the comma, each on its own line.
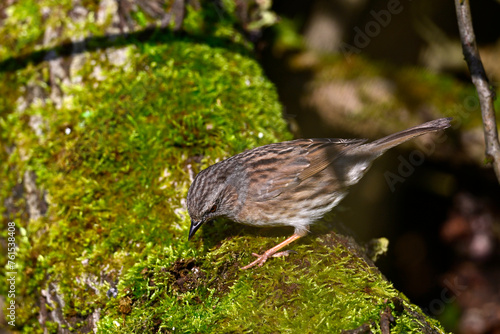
(272,252)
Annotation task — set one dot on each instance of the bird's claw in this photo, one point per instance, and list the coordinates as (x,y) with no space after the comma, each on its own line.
(261,259)
(284,253)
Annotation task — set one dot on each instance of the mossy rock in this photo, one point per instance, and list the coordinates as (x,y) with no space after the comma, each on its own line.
(98,151)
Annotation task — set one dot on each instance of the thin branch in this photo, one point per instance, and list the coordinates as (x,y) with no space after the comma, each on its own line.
(480,80)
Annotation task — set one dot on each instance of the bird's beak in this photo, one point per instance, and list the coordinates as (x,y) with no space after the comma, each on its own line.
(195,225)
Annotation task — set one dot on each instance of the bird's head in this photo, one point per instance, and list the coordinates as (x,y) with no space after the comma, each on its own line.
(211,195)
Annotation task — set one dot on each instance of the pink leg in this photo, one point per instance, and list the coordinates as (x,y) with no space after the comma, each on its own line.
(263,258)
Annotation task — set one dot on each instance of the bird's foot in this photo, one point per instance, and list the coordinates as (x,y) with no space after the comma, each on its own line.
(261,259)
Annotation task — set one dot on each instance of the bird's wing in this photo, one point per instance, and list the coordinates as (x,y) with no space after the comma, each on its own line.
(290,163)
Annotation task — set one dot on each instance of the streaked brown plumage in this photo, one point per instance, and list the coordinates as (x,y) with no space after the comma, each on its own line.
(291,183)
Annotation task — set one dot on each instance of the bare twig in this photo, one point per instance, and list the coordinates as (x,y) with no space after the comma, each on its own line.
(480,80)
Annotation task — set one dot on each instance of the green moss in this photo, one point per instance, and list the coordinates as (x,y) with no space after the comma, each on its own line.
(117,178)
(320,290)
(21,27)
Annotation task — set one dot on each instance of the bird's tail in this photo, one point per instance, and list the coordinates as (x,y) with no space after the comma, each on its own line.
(383,144)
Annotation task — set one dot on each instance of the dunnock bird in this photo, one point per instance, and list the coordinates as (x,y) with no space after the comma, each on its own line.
(292,183)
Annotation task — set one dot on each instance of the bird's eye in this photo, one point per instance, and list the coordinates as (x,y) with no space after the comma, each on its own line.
(213,209)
